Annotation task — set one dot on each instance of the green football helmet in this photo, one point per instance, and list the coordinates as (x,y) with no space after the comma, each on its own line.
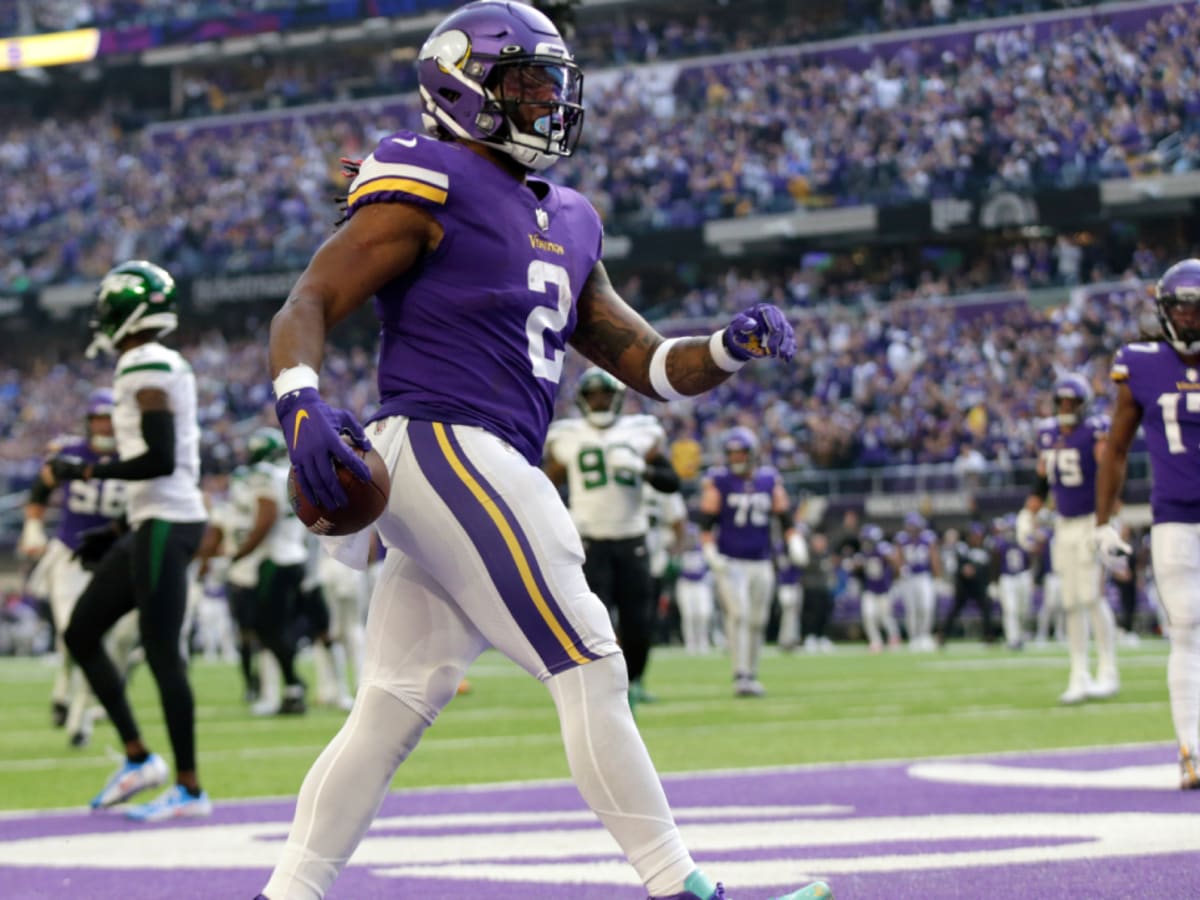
(266,444)
(135,296)
(601,411)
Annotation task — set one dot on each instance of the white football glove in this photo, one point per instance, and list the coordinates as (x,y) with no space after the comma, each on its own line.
(1025,529)
(797,549)
(716,562)
(622,458)
(33,538)
(1109,545)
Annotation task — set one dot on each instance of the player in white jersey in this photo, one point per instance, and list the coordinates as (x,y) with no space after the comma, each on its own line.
(158,444)
(346,591)
(280,537)
(605,458)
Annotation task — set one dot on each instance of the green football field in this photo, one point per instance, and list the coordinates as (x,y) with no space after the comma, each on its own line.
(849,705)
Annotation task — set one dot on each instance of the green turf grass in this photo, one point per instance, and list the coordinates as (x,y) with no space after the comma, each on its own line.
(846,706)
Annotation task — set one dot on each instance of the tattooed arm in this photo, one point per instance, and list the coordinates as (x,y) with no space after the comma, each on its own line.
(615,337)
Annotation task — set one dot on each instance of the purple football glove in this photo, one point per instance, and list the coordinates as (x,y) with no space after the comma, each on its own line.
(758,332)
(313,431)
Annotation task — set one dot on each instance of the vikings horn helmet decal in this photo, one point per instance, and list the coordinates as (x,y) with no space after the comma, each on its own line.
(499,73)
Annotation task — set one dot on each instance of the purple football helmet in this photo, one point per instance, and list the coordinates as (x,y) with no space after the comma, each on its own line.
(100,402)
(871,533)
(1071,387)
(1177,301)
(100,405)
(499,73)
(914,520)
(740,440)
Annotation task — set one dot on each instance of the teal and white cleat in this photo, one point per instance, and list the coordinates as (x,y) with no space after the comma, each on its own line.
(130,779)
(173,803)
(818,890)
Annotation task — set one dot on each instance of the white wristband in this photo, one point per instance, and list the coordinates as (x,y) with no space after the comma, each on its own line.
(293,379)
(720,355)
(658,372)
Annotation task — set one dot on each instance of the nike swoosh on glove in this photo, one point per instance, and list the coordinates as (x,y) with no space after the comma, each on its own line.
(313,431)
(758,332)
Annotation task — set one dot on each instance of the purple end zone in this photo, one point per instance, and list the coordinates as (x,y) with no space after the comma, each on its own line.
(1091,823)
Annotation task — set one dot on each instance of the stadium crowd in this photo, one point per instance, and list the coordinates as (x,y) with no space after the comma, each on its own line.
(913,381)
(765,135)
(24,16)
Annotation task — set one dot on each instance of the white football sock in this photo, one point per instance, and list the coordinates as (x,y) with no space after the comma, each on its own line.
(1077,646)
(1104,630)
(614,774)
(342,793)
(269,677)
(1183,683)
(327,688)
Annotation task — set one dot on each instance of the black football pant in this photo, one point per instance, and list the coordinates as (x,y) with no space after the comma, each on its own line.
(962,597)
(145,570)
(814,615)
(276,609)
(619,572)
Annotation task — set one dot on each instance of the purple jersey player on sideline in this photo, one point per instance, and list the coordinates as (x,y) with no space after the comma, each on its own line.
(86,505)
(920,565)
(1158,387)
(1015,582)
(1068,449)
(738,501)
(482,273)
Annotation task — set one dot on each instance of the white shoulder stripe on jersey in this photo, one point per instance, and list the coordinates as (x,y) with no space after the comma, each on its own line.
(372,168)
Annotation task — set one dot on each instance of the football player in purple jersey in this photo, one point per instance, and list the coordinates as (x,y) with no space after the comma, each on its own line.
(482,273)
(88,508)
(877,568)
(1069,447)
(1015,582)
(920,568)
(1158,388)
(738,502)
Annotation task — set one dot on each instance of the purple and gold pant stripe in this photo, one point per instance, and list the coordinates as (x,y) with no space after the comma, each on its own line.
(506,552)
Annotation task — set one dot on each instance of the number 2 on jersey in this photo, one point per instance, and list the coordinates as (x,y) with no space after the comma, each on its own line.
(543,275)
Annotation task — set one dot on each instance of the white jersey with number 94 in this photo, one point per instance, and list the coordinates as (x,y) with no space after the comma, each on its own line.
(604,472)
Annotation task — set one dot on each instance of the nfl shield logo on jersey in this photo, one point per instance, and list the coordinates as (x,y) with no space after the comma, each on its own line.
(543,218)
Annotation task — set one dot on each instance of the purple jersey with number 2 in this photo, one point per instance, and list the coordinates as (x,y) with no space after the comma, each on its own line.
(476,332)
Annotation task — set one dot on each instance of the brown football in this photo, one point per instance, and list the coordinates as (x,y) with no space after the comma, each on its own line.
(365,500)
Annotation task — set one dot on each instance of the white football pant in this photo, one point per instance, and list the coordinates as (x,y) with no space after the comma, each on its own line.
(1175,553)
(695,601)
(481,552)
(745,589)
(1016,592)
(1076,564)
(791,603)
